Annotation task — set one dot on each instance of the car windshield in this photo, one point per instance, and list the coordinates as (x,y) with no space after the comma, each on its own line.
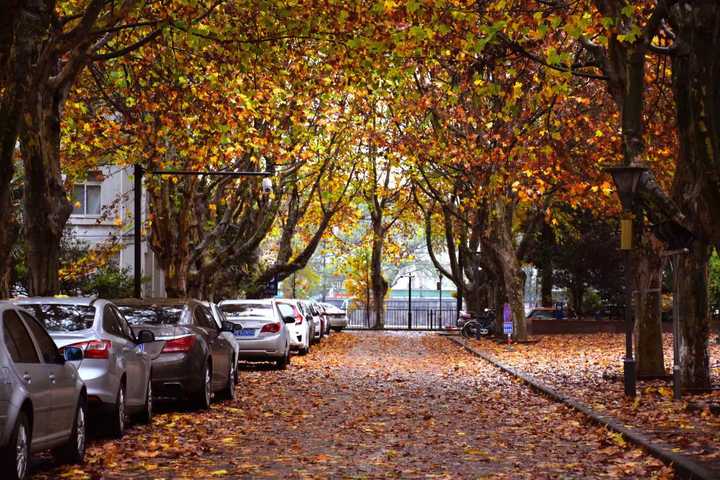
(155,314)
(252,315)
(236,311)
(64,318)
(543,314)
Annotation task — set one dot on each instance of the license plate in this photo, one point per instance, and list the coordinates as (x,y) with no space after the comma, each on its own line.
(246,332)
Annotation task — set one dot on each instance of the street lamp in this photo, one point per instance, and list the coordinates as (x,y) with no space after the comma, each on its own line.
(626,178)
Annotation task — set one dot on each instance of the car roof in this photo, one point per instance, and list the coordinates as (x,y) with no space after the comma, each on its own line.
(60,300)
(155,302)
(241,301)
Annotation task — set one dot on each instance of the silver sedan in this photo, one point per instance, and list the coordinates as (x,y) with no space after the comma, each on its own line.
(42,398)
(264,335)
(116,364)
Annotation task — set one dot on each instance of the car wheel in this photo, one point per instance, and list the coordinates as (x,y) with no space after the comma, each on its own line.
(337,329)
(237,375)
(119,417)
(282,363)
(147,413)
(228,392)
(204,394)
(74,450)
(16,456)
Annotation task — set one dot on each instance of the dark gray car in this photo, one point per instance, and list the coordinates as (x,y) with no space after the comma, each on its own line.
(196,360)
(43,402)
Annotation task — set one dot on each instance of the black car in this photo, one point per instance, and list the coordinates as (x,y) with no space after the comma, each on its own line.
(196,360)
(610,312)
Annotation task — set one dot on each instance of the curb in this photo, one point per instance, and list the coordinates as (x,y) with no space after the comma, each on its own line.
(685,466)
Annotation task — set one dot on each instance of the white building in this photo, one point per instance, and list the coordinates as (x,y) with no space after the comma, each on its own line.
(103,210)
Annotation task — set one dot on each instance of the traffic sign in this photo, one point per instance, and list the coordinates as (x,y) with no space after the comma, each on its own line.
(507,320)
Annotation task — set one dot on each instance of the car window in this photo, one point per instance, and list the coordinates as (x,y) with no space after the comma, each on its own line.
(235,310)
(202,317)
(110,322)
(286,310)
(63,318)
(127,331)
(155,314)
(15,333)
(48,349)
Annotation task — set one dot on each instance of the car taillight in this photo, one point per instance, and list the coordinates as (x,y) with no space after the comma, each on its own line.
(270,328)
(98,349)
(298,318)
(180,344)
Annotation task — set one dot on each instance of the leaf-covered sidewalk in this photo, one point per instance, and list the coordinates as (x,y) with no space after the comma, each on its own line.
(371,405)
(588,368)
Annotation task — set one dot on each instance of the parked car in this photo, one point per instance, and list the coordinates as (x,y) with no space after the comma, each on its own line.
(313,318)
(116,367)
(337,318)
(302,330)
(264,334)
(219,318)
(325,317)
(610,312)
(43,400)
(547,313)
(196,361)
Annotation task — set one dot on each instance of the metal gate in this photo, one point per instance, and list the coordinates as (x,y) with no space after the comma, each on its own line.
(421,316)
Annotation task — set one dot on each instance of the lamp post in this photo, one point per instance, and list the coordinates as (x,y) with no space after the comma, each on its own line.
(626,178)
(139,172)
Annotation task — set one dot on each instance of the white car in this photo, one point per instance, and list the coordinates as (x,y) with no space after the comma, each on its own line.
(301,331)
(264,334)
(337,317)
(313,316)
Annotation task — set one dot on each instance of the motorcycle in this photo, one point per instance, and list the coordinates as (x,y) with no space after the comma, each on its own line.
(474,326)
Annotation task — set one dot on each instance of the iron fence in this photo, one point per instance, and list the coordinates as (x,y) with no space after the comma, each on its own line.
(398,317)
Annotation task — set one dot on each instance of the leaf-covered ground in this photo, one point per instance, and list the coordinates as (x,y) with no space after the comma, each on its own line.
(589,368)
(371,405)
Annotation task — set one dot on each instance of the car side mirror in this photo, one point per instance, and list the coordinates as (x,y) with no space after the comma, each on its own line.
(228,326)
(289,319)
(72,354)
(145,336)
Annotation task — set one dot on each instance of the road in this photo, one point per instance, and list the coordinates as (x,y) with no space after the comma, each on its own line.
(370,405)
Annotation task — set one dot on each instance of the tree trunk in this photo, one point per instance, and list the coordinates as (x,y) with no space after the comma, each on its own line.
(696,186)
(546,284)
(47,207)
(8,228)
(378,284)
(577,293)
(648,322)
(694,321)
(512,276)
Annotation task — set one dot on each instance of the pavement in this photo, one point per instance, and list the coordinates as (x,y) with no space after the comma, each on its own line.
(370,405)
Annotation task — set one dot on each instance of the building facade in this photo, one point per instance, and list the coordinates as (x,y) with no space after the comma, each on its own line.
(104,211)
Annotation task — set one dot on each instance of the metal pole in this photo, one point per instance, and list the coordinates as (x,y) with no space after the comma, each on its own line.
(293,287)
(137,270)
(677,381)
(629,362)
(440,301)
(459,284)
(409,302)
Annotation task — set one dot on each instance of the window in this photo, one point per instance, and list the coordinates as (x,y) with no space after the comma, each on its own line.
(111,324)
(127,331)
(202,318)
(20,345)
(47,345)
(86,199)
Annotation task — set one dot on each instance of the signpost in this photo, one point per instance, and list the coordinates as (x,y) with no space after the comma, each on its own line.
(507,321)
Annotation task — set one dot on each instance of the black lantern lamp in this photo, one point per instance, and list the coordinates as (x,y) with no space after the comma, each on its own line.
(627,178)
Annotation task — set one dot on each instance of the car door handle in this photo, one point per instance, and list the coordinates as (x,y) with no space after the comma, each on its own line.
(27,377)
(52,378)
